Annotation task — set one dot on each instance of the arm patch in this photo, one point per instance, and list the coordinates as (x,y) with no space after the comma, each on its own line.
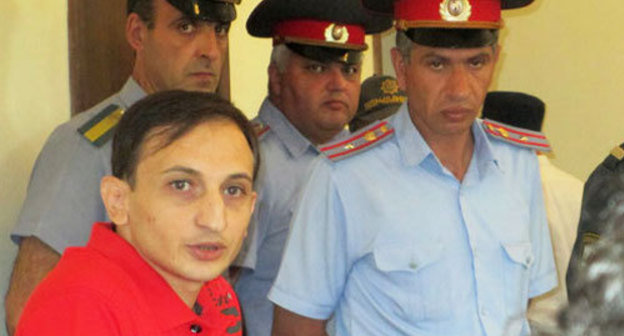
(99,129)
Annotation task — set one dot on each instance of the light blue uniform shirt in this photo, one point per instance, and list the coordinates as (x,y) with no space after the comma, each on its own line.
(286,157)
(63,198)
(391,243)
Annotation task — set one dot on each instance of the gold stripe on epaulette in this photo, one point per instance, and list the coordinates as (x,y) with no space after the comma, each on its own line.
(104,125)
(618,152)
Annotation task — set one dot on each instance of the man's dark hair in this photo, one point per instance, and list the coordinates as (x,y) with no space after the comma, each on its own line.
(174,114)
(144,9)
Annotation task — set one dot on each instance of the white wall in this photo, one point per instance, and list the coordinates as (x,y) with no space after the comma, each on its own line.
(34,97)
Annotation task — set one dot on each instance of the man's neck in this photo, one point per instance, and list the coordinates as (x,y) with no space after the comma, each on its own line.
(453,150)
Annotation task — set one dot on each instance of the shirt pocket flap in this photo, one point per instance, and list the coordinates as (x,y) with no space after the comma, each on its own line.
(520,253)
(392,258)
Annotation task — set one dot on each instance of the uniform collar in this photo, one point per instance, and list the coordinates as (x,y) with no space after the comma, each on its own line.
(414,149)
(131,92)
(166,305)
(289,136)
(412,146)
(483,151)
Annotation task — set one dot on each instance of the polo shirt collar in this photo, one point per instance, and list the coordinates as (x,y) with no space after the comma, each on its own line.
(131,92)
(166,305)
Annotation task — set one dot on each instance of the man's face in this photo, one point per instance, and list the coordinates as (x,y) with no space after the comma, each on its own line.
(445,87)
(190,206)
(181,53)
(319,99)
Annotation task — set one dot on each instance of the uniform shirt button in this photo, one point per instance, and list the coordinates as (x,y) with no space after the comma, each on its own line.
(196,329)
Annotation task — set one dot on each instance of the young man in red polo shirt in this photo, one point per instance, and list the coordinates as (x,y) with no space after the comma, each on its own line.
(180,199)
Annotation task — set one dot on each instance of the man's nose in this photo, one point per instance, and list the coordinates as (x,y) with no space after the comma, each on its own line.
(211,212)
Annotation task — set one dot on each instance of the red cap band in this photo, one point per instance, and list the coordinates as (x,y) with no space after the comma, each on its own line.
(321,33)
(485,14)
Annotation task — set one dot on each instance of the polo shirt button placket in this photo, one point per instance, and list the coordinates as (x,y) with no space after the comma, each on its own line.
(196,328)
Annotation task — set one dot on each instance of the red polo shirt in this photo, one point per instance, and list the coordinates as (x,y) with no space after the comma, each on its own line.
(106,288)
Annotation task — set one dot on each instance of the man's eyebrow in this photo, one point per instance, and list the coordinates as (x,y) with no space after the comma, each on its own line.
(181,169)
(191,171)
(244,176)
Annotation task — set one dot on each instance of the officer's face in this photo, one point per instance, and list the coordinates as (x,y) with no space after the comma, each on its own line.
(177,52)
(445,87)
(188,211)
(319,99)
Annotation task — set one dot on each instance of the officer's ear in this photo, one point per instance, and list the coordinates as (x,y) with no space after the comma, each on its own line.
(115,195)
(135,31)
(400,67)
(275,83)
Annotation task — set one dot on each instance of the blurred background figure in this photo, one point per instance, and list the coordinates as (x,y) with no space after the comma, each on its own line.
(596,306)
(380,98)
(562,195)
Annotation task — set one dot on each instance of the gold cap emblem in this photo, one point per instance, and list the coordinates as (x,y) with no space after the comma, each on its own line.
(336,33)
(389,87)
(455,10)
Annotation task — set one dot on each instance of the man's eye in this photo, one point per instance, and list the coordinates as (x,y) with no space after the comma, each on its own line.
(436,65)
(181,185)
(234,191)
(350,70)
(186,27)
(222,29)
(478,62)
(316,68)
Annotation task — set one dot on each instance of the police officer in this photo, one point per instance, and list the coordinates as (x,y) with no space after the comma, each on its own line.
(380,98)
(429,222)
(178,44)
(314,85)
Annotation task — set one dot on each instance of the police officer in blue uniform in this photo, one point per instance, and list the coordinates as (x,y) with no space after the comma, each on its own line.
(179,44)
(431,222)
(314,85)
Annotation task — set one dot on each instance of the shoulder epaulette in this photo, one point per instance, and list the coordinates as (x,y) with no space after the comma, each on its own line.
(260,128)
(615,157)
(518,136)
(99,129)
(359,141)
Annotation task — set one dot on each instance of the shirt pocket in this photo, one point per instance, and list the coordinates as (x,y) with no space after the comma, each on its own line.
(411,278)
(517,261)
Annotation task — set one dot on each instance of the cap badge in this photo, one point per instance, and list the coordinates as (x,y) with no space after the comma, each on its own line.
(196,8)
(455,10)
(389,87)
(336,33)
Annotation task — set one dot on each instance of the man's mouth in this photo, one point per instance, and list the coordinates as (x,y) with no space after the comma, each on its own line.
(207,251)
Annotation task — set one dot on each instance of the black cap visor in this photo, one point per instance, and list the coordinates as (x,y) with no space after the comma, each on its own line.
(326,54)
(452,37)
(206,10)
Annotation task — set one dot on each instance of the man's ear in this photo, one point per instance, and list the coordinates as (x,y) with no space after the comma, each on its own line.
(275,83)
(135,31)
(115,194)
(399,67)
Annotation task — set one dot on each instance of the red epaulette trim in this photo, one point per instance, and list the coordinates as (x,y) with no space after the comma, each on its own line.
(518,136)
(358,142)
(260,128)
